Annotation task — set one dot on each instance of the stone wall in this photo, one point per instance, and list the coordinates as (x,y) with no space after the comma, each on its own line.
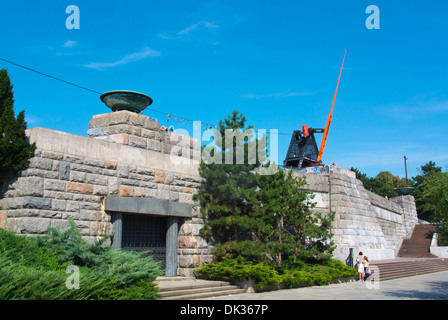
(364,221)
(127,156)
(135,130)
(74,175)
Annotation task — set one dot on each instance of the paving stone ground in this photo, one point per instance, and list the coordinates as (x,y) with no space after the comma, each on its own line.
(433,286)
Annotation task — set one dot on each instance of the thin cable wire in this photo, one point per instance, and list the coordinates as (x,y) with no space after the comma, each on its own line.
(94,91)
(47,75)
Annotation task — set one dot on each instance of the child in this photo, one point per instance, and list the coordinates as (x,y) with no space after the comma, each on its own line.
(367,271)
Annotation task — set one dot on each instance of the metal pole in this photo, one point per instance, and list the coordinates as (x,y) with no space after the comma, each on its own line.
(329,193)
(406,170)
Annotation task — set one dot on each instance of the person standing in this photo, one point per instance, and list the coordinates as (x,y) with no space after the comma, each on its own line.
(360,266)
(367,271)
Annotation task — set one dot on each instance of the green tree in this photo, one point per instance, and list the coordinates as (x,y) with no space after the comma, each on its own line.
(382,184)
(259,217)
(435,200)
(229,194)
(418,182)
(289,230)
(15,151)
(385,183)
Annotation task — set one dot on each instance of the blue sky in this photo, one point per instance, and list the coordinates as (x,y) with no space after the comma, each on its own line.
(277,62)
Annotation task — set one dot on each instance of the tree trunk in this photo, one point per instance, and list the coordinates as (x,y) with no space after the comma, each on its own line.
(280,240)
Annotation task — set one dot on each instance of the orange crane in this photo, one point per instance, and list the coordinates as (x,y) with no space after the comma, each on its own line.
(330,116)
(303,151)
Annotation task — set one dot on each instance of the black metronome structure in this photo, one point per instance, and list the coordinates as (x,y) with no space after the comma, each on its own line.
(302,151)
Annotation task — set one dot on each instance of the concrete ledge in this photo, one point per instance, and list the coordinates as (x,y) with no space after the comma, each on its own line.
(62,142)
(441,252)
(384,203)
(342,251)
(149,206)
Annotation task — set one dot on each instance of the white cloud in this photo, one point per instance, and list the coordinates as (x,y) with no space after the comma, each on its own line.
(146,52)
(167,36)
(69,44)
(204,24)
(278,95)
(417,109)
(32,119)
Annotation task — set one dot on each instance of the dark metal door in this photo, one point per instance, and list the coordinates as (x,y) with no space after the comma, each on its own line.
(145,233)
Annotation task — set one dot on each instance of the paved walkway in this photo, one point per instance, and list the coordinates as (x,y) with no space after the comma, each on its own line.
(432,286)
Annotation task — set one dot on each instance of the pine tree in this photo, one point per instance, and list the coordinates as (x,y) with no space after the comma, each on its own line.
(229,195)
(289,230)
(263,218)
(14,148)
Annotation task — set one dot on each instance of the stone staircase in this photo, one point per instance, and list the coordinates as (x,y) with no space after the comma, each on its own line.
(414,257)
(407,267)
(418,245)
(182,288)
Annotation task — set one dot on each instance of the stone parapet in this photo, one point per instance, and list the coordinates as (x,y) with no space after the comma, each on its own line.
(410,217)
(136,130)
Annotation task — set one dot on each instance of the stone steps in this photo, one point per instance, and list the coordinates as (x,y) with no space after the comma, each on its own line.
(418,245)
(400,268)
(180,288)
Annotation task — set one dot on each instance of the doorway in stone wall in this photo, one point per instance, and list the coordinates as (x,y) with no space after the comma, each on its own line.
(144,224)
(141,232)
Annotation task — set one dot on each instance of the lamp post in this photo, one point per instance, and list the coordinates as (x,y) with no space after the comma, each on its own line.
(404,190)
(406,170)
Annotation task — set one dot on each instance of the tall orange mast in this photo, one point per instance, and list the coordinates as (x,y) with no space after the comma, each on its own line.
(330,116)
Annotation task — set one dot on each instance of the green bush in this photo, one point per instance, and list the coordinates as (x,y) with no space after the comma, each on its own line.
(35,268)
(21,250)
(239,269)
(20,282)
(124,267)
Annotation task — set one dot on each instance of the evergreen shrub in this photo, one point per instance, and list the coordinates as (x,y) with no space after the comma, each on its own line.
(300,274)
(35,268)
